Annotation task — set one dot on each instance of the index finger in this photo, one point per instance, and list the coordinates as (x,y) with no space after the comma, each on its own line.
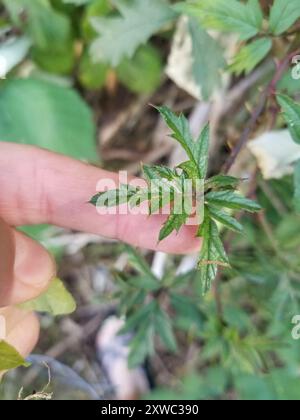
(38,186)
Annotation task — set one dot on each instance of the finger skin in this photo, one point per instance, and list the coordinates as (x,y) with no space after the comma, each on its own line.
(26,268)
(22,329)
(43,187)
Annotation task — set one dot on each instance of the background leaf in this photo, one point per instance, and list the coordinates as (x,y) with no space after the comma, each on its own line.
(10,357)
(142,73)
(43,114)
(56,300)
(208,60)
(291,113)
(251,55)
(50,32)
(283,15)
(297,187)
(227,15)
(120,36)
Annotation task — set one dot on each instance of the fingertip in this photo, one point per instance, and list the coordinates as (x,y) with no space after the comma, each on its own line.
(23,334)
(182,242)
(33,270)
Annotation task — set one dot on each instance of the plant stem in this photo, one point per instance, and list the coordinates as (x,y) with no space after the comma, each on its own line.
(269,91)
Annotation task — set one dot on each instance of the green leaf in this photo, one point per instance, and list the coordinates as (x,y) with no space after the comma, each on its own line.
(120,36)
(188,315)
(283,15)
(157,172)
(142,345)
(227,15)
(222,182)
(226,220)
(181,130)
(50,32)
(251,55)
(231,200)
(42,114)
(139,263)
(201,152)
(144,314)
(147,283)
(174,223)
(56,301)
(196,151)
(297,187)
(290,81)
(95,8)
(291,113)
(10,358)
(142,73)
(113,198)
(165,187)
(92,75)
(189,169)
(208,59)
(163,327)
(212,254)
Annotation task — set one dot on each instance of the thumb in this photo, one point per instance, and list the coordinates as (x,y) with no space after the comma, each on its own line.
(26,268)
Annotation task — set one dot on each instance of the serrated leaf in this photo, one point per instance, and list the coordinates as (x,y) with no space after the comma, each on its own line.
(112,198)
(120,36)
(212,254)
(297,187)
(208,60)
(55,301)
(157,172)
(181,130)
(133,322)
(10,358)
(250,56)
(138,262)
(291,113)
(201,151)
(213,251)
(163,327)
(197,151)
(190,169)
(222,182)
(147,283)
(283,15)
(142,345)
(159,194)
(227,15)
(232,200)
(173,223)
(226,220)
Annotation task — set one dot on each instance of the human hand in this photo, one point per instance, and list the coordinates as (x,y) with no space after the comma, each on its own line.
(36,187)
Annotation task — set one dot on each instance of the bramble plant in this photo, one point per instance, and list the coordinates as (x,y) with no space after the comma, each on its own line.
(219,194)
(69,63)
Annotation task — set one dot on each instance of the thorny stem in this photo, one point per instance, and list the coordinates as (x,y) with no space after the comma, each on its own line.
(269,91)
